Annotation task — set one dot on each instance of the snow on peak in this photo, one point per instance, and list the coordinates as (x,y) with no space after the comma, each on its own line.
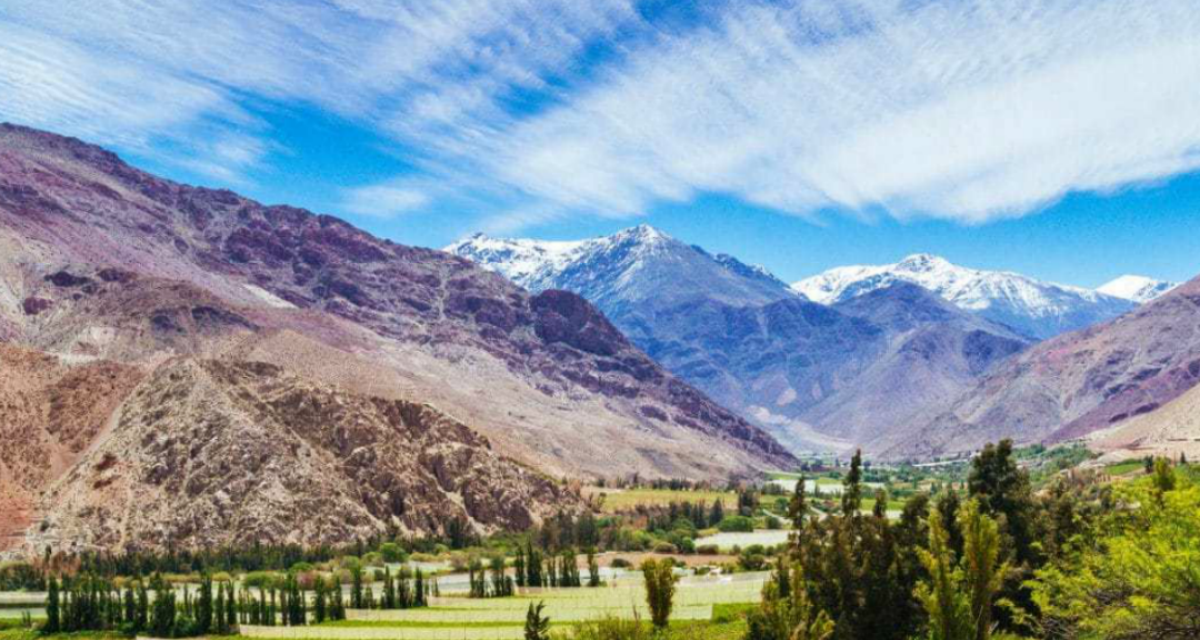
(1039,309)
(1139,289)
(635,263)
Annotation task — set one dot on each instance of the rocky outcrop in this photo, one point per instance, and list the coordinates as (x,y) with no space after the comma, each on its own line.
(208,453)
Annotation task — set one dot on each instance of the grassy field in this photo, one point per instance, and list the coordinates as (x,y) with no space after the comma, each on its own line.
(618,500)
(709,607)
(1123,468)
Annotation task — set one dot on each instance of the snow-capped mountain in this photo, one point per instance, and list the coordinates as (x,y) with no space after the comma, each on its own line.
(1033,307)
(1139,289)
(636,264)
(817,376)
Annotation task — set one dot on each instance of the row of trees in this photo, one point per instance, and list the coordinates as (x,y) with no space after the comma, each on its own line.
(535,568)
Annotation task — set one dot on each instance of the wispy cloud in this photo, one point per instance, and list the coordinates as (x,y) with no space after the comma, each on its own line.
(962,110)
(382,201)
(968,110)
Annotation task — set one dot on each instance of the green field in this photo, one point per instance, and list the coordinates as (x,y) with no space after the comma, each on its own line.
(701,605)
(619,500)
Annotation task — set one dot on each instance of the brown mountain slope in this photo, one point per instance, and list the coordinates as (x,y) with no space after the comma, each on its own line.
(210,453)
(545,377)
(1078,383)
(51,412)
(1169,431)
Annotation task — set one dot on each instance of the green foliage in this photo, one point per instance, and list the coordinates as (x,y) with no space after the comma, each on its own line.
(1135,575)
(537,626)
(660,590)
(787,613)
(736,524)
(958,597)
(611,628)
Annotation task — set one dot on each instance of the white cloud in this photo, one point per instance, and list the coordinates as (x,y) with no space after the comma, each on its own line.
(382,201)
(963,109)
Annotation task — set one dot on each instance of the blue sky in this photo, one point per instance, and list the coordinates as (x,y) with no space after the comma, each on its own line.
(1056,138)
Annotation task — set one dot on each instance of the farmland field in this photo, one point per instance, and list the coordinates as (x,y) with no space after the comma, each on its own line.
(502,618)
(618,500)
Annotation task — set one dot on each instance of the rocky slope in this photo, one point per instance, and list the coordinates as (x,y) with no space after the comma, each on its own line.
(1034,308)
(1076,384)
(105,265)
(817,376)
(207,453)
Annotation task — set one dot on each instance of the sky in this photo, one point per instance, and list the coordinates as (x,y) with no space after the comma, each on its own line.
(1056,138)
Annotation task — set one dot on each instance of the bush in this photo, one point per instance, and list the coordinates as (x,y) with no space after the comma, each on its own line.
(736,524)
(392,553)
(664,547)
(621,563)
(708,550)
(373,559)
(611,628)
(261,579)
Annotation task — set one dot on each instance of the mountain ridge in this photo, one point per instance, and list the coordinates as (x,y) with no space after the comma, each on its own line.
(1036,308)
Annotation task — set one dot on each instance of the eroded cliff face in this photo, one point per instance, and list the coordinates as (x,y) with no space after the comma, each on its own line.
(207,453)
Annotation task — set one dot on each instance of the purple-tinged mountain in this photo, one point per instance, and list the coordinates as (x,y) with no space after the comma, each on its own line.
(817,376)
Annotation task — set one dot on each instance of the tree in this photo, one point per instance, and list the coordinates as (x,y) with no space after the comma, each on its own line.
(660,590)
(946,605)
(1003,489)
(959,599)
(1134,577)
(356,588)
(852,492)
(1164,478)
(717,514)
(798,505)
(53,615)
(787,613)
(537,626)
(593,568)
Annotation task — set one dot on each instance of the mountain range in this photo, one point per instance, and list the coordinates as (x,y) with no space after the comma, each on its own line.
(1032,307)
(175,354)
(867,356)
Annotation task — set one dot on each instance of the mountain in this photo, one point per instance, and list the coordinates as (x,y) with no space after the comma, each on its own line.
(1166,432)
(1138,289)
(630,275)
(112,276)
(1076,384)
(818,376)
(1034,308)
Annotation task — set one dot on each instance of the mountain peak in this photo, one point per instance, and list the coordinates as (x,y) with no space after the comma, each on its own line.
(1032,307)
(1139,289)
(923,262)
(641,233)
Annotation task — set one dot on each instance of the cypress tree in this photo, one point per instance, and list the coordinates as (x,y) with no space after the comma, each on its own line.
(53,619)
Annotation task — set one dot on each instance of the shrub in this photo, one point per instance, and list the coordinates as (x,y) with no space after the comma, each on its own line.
(664,547)
(392,552)
(621,563)
(611,628)
(736,524)
(708,550)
